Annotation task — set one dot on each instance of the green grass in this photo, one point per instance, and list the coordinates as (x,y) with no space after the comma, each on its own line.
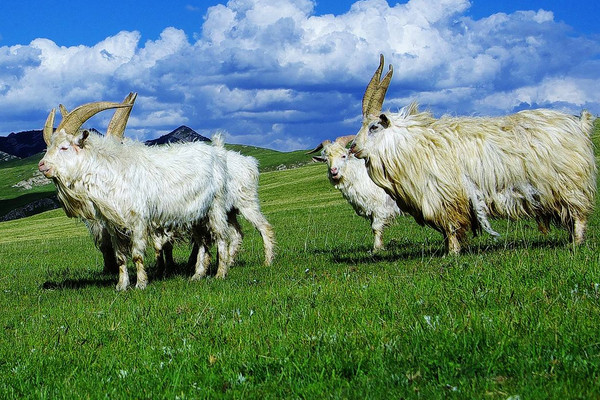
(513,317)
(270,160)
(12,172)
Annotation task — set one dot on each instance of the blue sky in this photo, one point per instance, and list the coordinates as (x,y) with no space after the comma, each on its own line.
(288,74)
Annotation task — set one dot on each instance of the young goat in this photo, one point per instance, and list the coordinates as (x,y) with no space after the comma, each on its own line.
(349,175)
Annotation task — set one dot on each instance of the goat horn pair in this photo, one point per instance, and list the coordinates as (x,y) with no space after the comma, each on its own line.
(319,147)
(342,140)
(376,90)
(72,121)
(117,124)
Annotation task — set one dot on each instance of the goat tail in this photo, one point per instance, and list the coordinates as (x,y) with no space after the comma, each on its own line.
(218,139)
(586,120)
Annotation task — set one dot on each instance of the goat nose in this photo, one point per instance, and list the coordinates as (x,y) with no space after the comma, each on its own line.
(334,170)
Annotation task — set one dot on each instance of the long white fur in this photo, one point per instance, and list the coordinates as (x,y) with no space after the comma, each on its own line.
(136,189)
(242,192)
(452,173)
(349,175)
(242,198)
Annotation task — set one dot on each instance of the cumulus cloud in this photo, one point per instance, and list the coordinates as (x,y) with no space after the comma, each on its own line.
(280,76)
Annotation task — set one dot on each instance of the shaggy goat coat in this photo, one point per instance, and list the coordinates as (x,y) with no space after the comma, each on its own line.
(453,173)
(135,189)
(242,198)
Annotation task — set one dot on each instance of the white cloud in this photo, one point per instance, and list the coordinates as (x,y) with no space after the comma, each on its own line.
(276,75)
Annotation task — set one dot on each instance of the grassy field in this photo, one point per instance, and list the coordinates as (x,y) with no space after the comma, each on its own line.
(15,171)
(513,317)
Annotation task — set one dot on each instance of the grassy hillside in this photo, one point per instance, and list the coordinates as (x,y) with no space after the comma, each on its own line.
(16,171)
(512,317)
(270,160)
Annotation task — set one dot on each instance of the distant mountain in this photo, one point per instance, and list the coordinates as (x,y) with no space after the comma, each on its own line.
(23,144)
(27,143)
(181,134)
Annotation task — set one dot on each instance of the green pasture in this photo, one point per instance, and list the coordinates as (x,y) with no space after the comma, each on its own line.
(512,318)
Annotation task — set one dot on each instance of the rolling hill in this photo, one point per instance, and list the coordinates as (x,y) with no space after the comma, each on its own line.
(24,189)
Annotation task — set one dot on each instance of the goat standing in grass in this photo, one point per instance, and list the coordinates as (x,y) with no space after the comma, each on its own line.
(136,189)
(349,175)
(453,173)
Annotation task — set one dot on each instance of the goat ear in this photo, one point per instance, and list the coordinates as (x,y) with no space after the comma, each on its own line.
(385,121)
(82,138)
(319,159)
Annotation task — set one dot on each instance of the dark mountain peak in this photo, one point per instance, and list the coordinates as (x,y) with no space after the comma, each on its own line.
(27,143)
(23,144)
(181,134)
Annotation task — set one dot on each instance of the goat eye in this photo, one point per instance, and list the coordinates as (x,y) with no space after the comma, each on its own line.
(63,148)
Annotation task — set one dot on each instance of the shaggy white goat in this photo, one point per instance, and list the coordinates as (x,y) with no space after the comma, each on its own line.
(349,175)
(242,192)
(243,199)
(454,173)
(136,189)
(97,229)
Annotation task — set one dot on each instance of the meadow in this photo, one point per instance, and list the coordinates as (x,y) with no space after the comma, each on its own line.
(512,318)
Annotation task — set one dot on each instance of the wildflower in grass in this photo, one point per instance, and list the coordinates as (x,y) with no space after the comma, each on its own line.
(432,322)
(575,290)
(123,374)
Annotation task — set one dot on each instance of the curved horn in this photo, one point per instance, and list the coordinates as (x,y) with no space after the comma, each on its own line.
(63,110)
(379,95)
(344,140)
(73,120)
(376,90)
(319,147)
(117,124)
(49,127)
(371,87)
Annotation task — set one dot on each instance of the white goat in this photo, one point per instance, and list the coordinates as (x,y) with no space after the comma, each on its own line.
(97,229)
(242,192)
(454,173)
(349,175)
(137,189)
(242,198)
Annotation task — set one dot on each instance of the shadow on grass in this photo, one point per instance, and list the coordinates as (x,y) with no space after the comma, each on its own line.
(106,279)
(408,250)
(78,283)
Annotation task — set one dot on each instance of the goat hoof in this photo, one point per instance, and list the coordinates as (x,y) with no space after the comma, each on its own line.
(197,277)
(121,287)
(141,285)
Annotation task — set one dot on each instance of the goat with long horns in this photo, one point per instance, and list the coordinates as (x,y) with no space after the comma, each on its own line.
(453,173)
